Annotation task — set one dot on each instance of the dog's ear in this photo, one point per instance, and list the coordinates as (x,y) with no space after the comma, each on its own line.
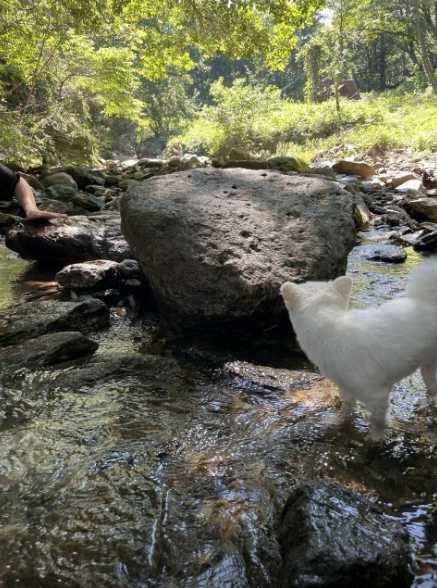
(343,286)
(291,295)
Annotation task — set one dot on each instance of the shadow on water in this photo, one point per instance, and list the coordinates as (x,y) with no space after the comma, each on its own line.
(137,470)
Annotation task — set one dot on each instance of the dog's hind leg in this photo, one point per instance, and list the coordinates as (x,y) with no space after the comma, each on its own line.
(429,375)
(377,404)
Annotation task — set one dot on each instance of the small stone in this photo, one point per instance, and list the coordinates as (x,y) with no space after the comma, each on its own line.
(362,214)
(400,180)
(411,185)
(427,243)
(89,274)
(60,178)
(354,168)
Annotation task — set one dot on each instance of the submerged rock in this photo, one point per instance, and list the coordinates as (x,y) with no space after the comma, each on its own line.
(331,537)
(48,349)
(216,244)
(382,252)
(77,239)
(32,319)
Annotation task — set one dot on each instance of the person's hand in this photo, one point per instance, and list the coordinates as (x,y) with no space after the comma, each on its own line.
(44,216)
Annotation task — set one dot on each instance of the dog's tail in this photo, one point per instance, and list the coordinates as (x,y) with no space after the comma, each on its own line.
(422,283)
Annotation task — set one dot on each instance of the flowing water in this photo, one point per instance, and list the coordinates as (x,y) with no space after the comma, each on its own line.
(137,470)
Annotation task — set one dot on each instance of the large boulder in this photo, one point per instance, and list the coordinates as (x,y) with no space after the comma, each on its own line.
(77,239)
(216,244)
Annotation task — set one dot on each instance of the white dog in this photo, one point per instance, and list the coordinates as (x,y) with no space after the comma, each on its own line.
(366,351)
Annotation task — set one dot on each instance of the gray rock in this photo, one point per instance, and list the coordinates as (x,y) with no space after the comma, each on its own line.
(426,243)
(48,350)
(59,178)
(83,200)
(89,274)
(362,214)
(56,206)
(216,244)
(30,320)
(77,239)
(331,537)
(62,192)
(382,252)
(84,176)
(422,208)
(89,202)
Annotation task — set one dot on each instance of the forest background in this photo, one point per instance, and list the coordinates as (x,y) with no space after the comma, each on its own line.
(81,80)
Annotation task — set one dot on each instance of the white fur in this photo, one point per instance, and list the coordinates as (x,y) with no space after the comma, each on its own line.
(366,351)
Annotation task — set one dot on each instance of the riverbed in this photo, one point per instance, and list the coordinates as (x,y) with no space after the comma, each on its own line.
(134,470)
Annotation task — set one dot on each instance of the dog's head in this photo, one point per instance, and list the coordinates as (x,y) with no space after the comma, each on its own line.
(298,297)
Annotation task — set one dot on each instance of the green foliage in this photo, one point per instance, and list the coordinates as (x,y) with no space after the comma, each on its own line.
(255,118)
(235,120)
(93,60)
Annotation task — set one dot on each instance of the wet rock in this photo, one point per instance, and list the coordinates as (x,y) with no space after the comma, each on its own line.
(89,274)
(230,570)
(30,320)
(47,350)
(382,252)
(216,244)
(362,214)
(422,208)
(119,366)
(331,537)
(61,178)
(426,243)
(354,168)
(7,220)
(77,239)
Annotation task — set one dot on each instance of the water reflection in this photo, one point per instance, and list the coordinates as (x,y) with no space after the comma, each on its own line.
(133,470)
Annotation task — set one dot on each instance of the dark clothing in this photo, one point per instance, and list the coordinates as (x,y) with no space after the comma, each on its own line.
(8,182)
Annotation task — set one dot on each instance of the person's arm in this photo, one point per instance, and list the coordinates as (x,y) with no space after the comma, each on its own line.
(26,199)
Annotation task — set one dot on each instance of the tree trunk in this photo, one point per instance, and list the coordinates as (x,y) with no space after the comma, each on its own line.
(423,49)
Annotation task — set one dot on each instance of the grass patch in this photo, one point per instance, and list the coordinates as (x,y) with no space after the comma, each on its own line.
(376,124)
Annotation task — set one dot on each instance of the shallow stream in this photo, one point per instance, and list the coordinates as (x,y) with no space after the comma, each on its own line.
(133,470)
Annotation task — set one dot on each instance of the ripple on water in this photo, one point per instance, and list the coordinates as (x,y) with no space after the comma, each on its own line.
(168,472)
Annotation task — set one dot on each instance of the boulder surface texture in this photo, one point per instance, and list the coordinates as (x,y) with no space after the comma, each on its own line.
(216,244)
